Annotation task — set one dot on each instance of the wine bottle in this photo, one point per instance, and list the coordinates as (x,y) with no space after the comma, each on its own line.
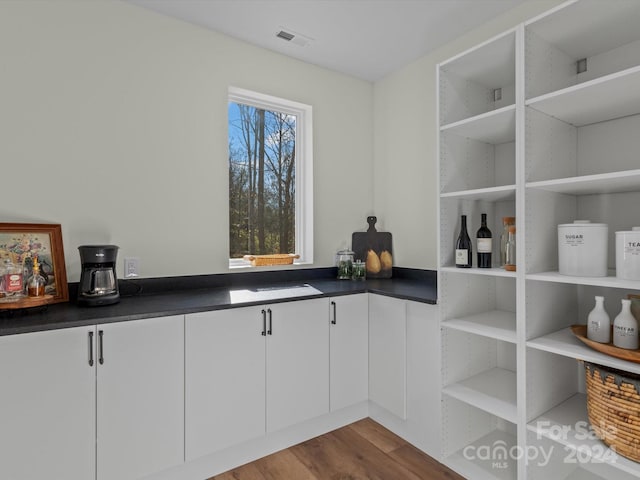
(484,244)
(463,246)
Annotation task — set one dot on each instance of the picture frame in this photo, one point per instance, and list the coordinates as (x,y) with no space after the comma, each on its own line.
(21,243)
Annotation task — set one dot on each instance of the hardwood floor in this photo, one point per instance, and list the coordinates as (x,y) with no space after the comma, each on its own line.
(361,451)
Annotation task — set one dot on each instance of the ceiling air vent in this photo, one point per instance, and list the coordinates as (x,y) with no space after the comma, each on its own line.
(285,35)
(292,36)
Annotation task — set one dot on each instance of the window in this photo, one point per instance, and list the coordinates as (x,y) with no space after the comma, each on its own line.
(270,177)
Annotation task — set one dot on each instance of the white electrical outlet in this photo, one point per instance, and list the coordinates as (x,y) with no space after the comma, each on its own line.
(131,267)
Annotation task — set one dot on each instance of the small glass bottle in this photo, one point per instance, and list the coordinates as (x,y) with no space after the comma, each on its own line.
(625,328)
(599,323)
(510,250)
(36,282)
(504,236)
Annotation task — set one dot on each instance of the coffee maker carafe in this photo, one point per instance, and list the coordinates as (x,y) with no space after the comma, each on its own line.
(98,281)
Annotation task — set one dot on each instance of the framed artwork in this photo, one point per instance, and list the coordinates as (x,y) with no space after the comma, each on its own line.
(20,245)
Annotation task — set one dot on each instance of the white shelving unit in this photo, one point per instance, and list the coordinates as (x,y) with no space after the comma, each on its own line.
(522,133)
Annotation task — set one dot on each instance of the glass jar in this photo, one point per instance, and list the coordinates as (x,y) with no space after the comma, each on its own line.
(504,236)
(359,270)
(344,262)
(13,285)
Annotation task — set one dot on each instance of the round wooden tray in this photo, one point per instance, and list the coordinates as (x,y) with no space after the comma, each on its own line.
(580,331)
(25,302)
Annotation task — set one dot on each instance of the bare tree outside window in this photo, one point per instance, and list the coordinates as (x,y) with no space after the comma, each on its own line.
(262,170)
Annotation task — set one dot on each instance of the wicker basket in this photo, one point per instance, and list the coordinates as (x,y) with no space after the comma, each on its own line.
(276,259)
(613,405)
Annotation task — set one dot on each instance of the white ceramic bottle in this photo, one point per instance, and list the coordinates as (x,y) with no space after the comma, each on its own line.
(599,323)
(625,328)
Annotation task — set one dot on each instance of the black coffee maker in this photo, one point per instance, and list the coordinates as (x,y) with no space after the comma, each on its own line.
(98,281)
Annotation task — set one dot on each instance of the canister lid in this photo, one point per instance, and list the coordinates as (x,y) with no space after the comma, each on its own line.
(583,224)
(635,230)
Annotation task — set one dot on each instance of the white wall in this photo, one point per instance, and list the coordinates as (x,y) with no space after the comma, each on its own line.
(113,123)
(405,157)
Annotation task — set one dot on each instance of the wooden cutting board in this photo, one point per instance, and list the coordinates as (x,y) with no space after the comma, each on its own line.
(373,248)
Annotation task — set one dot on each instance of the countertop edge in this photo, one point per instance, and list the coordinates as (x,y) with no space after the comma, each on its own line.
(184,302)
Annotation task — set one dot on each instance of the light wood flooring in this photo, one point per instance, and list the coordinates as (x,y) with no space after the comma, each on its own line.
(363,450)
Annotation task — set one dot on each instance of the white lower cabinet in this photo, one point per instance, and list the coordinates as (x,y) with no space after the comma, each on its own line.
(349,350)
(297,362)
(224,379)
(404,370)
(89,401)
(47,406)
(388,354)
(140,397)
(254,370)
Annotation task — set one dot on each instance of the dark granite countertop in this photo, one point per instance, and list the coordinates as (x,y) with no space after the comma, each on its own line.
(183,295)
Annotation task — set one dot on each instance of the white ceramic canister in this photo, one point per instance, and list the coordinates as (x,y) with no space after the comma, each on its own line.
(628,254)
(582,249)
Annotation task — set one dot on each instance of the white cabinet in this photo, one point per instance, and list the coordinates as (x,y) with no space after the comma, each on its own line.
(572,129)
(81,401)
(349,350)
(404,370)
(47,406)
(387,354)
(140,397)
(297,362)
(225,379)
(253,370)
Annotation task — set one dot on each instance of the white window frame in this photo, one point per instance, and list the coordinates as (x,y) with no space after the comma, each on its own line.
(304,167)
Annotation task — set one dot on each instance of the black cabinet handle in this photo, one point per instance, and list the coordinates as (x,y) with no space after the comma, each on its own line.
(91,349)
(333,305)
(264,323)
(100,347)
(270,331)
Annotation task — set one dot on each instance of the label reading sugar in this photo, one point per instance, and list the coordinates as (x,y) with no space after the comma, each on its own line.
(573,240)
(484,245)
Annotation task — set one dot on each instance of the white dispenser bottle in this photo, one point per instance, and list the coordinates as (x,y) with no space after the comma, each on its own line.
(599,323)
(625,328)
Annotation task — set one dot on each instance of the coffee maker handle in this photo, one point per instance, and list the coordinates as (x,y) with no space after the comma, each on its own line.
(92,282)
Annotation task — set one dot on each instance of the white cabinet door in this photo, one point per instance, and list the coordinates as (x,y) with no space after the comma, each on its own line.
(423,377)
(140,397)
(349,350)
(388,353)
(297,362)
(225,379)
(47,406)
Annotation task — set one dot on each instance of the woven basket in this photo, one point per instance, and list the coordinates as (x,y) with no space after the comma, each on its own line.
(613,405)
(275,259)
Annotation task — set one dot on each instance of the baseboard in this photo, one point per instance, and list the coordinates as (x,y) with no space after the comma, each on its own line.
(227,459)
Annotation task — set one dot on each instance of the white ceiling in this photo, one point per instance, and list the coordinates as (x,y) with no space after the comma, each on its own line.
(367,39)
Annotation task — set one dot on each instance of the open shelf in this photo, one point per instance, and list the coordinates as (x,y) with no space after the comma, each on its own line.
(494,324)
(609,281)
(494,127)
(563,342)
(567,424)
(615,182)
(490,194)
(485,469)
(493,272)
(493,391)
(612,96)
